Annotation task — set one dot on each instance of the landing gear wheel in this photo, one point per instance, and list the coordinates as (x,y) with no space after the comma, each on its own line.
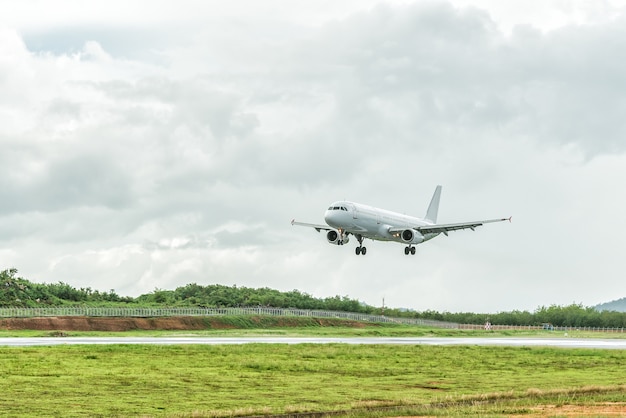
(407,250)
(360,249)
(412,250)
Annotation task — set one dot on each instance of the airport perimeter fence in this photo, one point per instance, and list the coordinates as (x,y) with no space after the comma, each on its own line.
(129,312)
(121,312)
(548,328)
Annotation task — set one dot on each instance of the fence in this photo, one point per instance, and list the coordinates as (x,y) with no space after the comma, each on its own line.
(165,312)
(537,327)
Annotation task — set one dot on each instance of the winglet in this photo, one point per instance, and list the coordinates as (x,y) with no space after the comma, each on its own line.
(292,221)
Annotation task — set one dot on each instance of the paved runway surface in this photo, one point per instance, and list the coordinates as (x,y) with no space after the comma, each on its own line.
(617,344)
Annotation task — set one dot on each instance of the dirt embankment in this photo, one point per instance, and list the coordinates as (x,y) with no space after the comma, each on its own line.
(82,323)
(72,323)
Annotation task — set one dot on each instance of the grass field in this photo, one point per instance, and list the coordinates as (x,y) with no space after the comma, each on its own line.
(211,381)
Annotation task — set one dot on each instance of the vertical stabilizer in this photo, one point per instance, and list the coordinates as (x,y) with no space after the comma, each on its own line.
(433,208)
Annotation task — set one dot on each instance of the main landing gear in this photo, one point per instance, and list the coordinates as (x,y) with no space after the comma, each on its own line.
(360,250)
(409,250)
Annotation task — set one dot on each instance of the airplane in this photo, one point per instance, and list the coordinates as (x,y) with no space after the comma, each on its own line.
(344,218)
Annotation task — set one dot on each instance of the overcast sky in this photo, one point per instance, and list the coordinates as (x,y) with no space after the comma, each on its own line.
(152,144)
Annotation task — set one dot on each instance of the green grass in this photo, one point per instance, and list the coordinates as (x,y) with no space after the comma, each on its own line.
(251,328)
(230,380)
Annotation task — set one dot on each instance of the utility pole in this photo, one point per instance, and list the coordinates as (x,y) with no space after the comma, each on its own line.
(382,311)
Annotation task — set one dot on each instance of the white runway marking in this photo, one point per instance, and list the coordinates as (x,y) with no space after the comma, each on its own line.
(617,344)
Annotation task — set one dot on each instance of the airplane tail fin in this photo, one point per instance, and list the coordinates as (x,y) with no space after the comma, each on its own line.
(433,208)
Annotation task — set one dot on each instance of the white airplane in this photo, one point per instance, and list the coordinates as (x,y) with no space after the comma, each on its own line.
(345,218)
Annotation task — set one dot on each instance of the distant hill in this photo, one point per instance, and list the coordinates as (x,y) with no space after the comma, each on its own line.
(618,305)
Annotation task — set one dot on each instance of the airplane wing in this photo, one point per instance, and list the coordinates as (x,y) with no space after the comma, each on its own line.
(445,228)
(318,228)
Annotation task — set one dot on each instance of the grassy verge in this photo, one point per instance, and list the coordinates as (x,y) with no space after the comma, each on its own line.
(337,330)
(211,381)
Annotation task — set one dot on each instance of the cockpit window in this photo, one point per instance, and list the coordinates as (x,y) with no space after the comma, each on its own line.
(338,208)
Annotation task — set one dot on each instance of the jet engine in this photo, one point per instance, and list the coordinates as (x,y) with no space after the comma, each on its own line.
(335,238)
(411,236)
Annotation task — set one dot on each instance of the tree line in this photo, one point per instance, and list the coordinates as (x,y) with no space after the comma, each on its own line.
(574,315)
(18,292)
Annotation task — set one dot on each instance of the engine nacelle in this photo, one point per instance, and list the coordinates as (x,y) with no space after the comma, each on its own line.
(411,236)
(335,238)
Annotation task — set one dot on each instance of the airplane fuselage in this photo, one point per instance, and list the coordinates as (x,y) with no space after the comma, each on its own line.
(373,223)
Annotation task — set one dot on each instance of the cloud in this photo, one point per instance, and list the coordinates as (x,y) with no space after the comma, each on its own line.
(142,154)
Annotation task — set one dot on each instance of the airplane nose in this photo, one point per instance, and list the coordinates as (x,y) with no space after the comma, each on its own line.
(332,217)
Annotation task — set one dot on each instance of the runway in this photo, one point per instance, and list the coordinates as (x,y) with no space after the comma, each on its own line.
(615,344)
